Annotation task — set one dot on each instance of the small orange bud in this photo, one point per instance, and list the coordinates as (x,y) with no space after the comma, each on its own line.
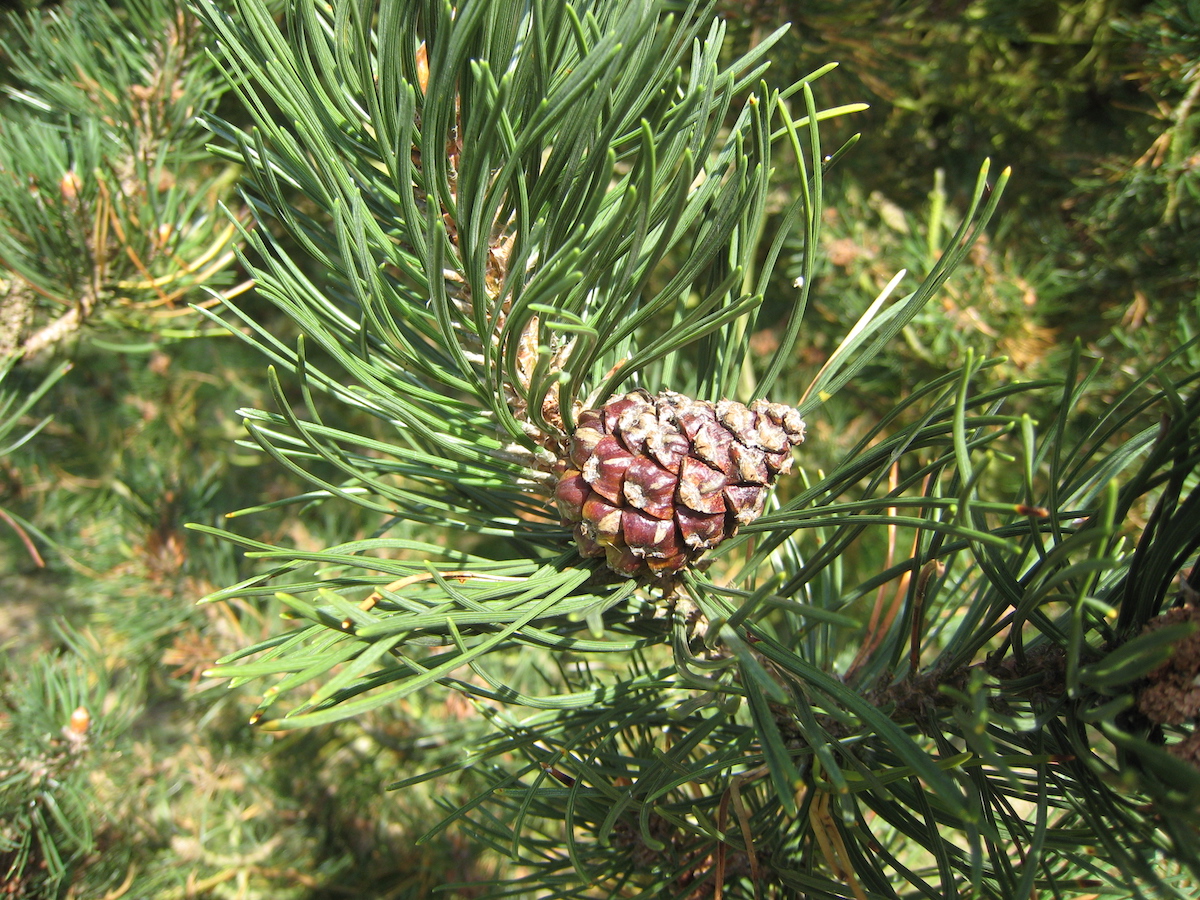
(80,719)
(70,185)
(423,67)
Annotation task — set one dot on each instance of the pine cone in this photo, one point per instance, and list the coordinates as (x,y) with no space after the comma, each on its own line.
(654,482)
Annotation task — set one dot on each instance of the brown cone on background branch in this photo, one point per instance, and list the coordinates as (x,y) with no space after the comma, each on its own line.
(654,482)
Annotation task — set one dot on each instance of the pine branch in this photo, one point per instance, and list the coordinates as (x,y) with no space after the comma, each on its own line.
(515,231)
(115,186)
(59,732)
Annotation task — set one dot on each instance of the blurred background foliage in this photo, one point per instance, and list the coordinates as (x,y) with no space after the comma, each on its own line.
(1093,104)
(146,782)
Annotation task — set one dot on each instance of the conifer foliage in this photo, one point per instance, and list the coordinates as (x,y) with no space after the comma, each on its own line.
(526,245)
(506,228)
(109,217)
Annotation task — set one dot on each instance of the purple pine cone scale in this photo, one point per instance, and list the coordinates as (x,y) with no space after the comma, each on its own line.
(651,483)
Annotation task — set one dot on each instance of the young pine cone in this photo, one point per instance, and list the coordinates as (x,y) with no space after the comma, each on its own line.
(653,482)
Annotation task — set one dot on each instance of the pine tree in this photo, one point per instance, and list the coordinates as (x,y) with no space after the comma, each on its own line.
(109,224)
(498,185)
(490,223)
